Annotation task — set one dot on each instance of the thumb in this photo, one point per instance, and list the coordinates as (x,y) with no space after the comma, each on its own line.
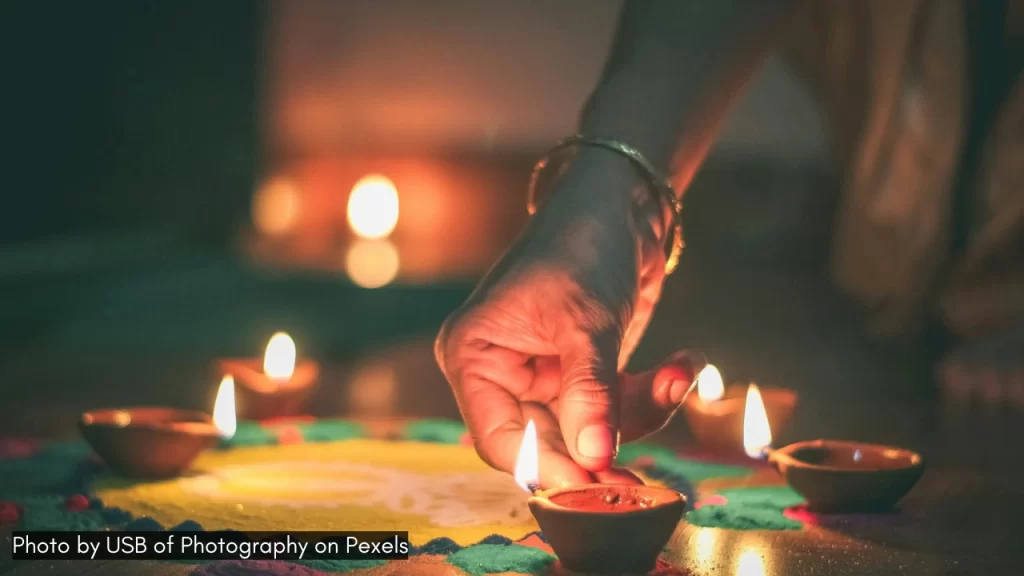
(649,400)
(589,402)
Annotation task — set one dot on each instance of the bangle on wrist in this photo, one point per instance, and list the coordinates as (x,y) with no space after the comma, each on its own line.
(656,183)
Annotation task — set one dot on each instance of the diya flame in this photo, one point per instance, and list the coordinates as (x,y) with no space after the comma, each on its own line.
(279,359)
(710,386)
(224,408)
(757,433)
(527,474)
(757,440)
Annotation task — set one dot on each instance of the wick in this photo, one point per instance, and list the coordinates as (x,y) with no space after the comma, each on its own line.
(533,487)
(693,385)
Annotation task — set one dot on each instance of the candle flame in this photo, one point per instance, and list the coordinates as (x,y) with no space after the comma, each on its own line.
(224,408)
(279,360)
(526,465)
(757,433)
(709,384)
(373,207)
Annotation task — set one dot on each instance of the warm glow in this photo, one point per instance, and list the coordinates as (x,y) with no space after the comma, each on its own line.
(750,563)
(372,263)
(275,209)
(757,433)
(526,465)
(373,207)
(703,545)
(279,361)
(373,389)
(709,384)
(224,408)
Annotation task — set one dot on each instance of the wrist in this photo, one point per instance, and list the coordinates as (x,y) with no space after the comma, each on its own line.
(612,185)
(643,112)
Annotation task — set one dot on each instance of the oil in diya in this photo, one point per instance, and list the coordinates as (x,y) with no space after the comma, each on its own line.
(155,442)
(279,385)
(600,528)
(715,413)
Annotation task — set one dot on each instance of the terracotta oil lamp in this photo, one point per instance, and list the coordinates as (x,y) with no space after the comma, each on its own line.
(715,413)
(277,386)
(600,528)
(154,442)
(836,476)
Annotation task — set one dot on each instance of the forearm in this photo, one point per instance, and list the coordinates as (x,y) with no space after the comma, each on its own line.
(676,67)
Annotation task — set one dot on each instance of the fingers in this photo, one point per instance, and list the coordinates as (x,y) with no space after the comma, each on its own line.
(557,468)
(497,423)
(617,476)
(588,403)
(650,399)
(483,382)
(494,420)
(488,381)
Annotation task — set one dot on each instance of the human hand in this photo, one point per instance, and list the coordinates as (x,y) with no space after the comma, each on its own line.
(547,333)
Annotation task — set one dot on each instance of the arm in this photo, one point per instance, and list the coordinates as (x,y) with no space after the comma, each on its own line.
(675,68)
(546,335)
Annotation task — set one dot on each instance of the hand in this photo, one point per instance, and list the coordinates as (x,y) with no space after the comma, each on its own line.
(548,331)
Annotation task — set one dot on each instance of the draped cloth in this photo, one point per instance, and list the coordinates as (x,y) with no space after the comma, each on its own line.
(894,81)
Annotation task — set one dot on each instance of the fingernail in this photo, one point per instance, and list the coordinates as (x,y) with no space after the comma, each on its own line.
(596,441)
(691,364)
(678,390)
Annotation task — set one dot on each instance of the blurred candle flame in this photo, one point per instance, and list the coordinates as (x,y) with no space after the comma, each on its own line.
(373,207)
(372,263)
(279,359)
(526,465)
(709,384)
(276,207)
(757,433)
(224,408)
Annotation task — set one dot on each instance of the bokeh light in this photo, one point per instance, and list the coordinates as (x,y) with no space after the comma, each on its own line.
(372,263)
(373,389)
(373,207)
(276,207)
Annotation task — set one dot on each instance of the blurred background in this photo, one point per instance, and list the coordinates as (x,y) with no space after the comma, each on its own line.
(185,178)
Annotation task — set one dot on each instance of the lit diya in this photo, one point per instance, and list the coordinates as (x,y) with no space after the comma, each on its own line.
(715,413)
(154,442)
(600,528)
(278,386)
(833,476)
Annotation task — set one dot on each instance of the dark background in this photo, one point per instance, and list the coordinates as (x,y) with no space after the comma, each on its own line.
(130,116)
(138,133)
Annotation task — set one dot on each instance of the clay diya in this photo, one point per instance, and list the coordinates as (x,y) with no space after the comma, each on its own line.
(148,442)
(715,413)
(836,476)
(277,386)
(602,528)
